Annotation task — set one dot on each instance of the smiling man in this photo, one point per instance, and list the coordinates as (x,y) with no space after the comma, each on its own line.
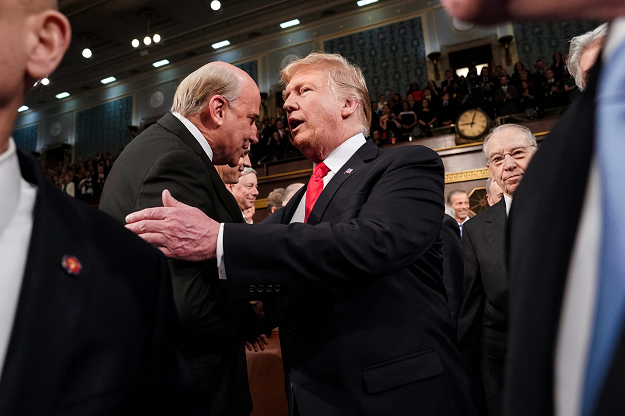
(245,190)
(366,329)
(483,323)
(212,122)
(459,201)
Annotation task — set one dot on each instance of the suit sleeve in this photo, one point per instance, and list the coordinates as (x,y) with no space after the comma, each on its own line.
(453,268)
(397,224)
(202,302)
(471,311)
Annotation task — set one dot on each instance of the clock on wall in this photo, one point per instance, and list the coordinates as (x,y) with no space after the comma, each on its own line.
(472,125)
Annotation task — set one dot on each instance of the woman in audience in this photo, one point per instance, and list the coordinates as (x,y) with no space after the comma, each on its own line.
(558,66)
(414,90)
(516,76)
(434,88)
(427,118)
(408,121)
(527,102)
(389,124)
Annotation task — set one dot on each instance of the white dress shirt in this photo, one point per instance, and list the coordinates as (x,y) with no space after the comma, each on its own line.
(508,201)
(196,133)
(17,204)
(578,304)
(334,161)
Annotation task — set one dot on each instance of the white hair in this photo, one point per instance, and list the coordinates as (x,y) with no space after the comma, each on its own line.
(524,130)
(579,45)
(289,191)
(247,171)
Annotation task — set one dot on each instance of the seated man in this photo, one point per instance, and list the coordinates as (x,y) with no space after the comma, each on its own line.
(506,97)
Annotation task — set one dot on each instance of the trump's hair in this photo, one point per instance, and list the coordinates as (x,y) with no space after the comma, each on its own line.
(345,80)
(196,90)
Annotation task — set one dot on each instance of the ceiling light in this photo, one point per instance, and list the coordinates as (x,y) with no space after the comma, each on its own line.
(22,108)
(215,5)
(108,80)
(160,63)
(361,3)
(45,81)
(156,38)
(289,23)
(147,40)
(220,44)
(135,43)
(87,53)
(62,95)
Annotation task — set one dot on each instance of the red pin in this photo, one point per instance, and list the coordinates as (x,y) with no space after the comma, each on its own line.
(71,265)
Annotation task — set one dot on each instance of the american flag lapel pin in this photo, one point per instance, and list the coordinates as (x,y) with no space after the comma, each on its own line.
(348,171)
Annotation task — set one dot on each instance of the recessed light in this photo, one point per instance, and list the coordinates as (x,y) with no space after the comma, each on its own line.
(87,53)
(135,43)
(289,23)
(160,63)
(220,44)
(215,5)
(156,38)
(108,80)
(62,95)
(22,108)
(361,3)
(45,81)
(147,40)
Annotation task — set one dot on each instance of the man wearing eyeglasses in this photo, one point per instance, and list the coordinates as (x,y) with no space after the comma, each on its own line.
(482,322)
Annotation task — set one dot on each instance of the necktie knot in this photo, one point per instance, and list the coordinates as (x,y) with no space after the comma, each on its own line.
(321,170)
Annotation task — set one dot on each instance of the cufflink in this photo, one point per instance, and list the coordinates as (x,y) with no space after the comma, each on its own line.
(251,288)
(277,288)
(260,288)
(269,288)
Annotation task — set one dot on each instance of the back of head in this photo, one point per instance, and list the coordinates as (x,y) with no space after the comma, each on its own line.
(345,80)
(289,191)
(274,199)
(215,78)
(579,45)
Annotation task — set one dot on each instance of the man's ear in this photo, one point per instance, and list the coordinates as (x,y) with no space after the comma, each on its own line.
(49,37)
(350,105)
(215,109)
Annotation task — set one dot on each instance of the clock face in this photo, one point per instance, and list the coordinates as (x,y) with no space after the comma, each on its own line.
(472,124)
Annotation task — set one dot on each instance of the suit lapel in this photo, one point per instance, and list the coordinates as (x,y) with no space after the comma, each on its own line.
(171,123)
(49,305)
(495,232)
(291,207)
(366,152)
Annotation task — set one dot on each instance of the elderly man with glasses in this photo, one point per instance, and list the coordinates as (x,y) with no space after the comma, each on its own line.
(482,322)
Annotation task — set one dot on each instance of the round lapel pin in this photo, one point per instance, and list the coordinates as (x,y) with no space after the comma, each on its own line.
(71,265)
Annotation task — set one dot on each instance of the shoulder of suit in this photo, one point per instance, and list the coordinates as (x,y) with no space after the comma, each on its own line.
(414,153)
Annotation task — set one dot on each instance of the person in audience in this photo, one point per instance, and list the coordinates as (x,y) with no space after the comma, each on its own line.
(583,54)
(376,136)
(248,214)
(554,94)
(376,113)
(459,201)
(433,99)
(448,112)
(68,185)
(382,101)
(558,66)
(527,102)
(538,77)
(390,124)
(435,90)
(408,119)
(347,260)
(482,323)
(88,323)
(211,122)
(519,68)
(506,97)
(230,175)
(414,90)
(494,193)
(394,103)
(427,117)
(245,190)
(487,83)
(289,191)
(449,84)
(274,200)
(412,103)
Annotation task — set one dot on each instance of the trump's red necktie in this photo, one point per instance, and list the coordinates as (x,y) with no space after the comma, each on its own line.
(314,188)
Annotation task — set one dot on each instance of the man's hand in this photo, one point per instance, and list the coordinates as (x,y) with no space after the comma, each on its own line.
(181,232)
(259,308)
(258,343)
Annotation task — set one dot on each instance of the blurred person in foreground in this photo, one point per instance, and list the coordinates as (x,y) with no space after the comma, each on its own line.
(493,192)
(365,230)
(88,323)
(565,257)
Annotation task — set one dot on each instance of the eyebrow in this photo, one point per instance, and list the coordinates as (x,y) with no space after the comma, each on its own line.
(253,115)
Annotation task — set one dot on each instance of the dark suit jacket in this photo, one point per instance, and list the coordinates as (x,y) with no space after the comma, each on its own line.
(99,343)
(453,267)
(167,156)
(540,241)
(483,324)
(367,329)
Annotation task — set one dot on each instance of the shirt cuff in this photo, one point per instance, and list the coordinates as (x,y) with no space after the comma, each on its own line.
(221,267)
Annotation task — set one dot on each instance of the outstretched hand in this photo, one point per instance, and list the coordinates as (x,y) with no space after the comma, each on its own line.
(179,231)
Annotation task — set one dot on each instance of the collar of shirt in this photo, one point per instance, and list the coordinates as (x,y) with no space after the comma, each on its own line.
(196,133)
(10,187)
(616,36)
(508,202)
(465,220)
(339,156)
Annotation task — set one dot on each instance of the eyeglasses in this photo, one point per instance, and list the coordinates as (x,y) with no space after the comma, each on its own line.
(517,154)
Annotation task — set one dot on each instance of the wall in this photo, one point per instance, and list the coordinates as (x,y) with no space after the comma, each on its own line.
(26,138)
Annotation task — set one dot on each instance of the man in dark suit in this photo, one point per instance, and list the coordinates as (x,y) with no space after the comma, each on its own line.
(207,126)
(453,268)
(567,354)
(366,328)
(87,321)
(483,323)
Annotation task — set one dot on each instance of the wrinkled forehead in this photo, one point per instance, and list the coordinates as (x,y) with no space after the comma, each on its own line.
(506,140)
(317,76)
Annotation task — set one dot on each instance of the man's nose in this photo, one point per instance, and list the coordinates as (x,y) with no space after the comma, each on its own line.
(255,191)
(508,162)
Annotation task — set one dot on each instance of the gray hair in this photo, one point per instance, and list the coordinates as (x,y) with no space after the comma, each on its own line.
(579,45)
(524,130)
(289,191)
(247,171)
(196,90)
(455,192)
